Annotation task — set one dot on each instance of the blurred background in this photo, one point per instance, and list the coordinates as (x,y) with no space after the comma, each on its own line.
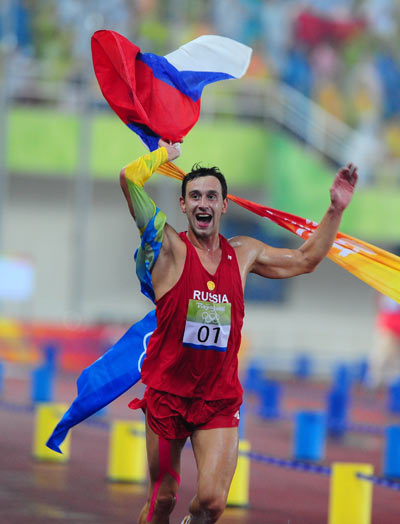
(323,89)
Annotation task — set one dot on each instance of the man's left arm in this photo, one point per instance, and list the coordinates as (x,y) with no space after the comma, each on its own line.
(318,245)
(283,263)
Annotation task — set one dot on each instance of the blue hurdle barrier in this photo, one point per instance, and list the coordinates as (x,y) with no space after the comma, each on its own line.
(309,436)
(393,398)
(303,366)
(270,399)
(391,459)
(338,401)
(42,387)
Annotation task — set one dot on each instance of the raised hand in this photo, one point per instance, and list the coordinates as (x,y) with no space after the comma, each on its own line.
(343,187)
(174,150)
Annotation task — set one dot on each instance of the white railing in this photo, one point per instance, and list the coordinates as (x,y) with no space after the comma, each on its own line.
(293,111)
(253,99)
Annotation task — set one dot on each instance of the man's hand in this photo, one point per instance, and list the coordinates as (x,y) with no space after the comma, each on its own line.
(173,150)
(343,187)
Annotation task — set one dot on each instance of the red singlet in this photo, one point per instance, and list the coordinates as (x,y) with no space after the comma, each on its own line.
(193,351)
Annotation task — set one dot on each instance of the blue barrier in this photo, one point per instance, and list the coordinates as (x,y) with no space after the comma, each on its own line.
(254,378)
(393,398)
(337,411)
(270,399)
(302,367)
(391,460)
(309,436)
(50,354)
(42,384)
(342,377)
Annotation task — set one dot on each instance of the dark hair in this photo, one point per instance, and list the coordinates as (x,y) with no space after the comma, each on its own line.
(199,171)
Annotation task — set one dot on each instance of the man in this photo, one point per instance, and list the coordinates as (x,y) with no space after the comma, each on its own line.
(190,369)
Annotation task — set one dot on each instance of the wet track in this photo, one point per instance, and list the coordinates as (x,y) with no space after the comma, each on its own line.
(78,492)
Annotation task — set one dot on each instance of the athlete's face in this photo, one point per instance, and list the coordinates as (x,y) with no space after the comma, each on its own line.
(204,205)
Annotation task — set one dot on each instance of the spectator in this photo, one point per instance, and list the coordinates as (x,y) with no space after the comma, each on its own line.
(385,354)
(382,17)
(297,71)
(16,25)
(389,73)
(277,26)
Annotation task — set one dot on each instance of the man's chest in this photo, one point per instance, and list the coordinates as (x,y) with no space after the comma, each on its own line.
(210,261)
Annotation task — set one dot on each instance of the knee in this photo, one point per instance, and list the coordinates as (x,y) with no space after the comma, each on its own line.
(213,505)
(165,503)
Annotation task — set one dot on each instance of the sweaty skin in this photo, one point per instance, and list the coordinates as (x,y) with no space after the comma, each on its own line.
(216,450)
(203,196)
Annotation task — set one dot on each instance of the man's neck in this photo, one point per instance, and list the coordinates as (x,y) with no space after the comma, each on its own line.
(209,244)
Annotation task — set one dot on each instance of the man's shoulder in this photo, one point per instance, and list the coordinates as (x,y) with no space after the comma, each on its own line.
(246,250)
(240,242)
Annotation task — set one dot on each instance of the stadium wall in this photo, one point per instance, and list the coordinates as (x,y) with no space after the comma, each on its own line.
(329,313)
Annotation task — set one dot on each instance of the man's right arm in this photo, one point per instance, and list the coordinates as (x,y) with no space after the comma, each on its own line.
(134,176)
(156,234)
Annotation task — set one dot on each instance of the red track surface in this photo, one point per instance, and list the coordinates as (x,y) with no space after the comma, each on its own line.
(78,492)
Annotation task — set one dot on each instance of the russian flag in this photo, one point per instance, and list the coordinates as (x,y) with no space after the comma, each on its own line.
(159,96)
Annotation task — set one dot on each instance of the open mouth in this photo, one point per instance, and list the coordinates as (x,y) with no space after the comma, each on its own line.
(203,218)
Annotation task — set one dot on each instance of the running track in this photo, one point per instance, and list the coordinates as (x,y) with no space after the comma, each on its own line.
(78,492)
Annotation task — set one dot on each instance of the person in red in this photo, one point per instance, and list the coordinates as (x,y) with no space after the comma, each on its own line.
(384,360)
(191,365)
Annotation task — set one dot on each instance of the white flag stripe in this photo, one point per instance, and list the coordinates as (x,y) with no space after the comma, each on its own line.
(214,54)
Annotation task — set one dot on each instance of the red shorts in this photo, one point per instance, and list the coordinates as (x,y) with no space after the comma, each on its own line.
(174,417)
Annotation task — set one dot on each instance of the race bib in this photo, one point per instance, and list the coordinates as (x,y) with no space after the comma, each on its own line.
(208,325)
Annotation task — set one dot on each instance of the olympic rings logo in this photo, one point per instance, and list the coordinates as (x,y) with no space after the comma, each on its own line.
(210,317)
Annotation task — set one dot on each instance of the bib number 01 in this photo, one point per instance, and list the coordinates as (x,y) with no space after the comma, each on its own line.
(207,325)
(204,334)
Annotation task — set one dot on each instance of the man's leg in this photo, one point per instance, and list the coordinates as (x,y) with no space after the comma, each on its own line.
(164,459)
(216,452)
